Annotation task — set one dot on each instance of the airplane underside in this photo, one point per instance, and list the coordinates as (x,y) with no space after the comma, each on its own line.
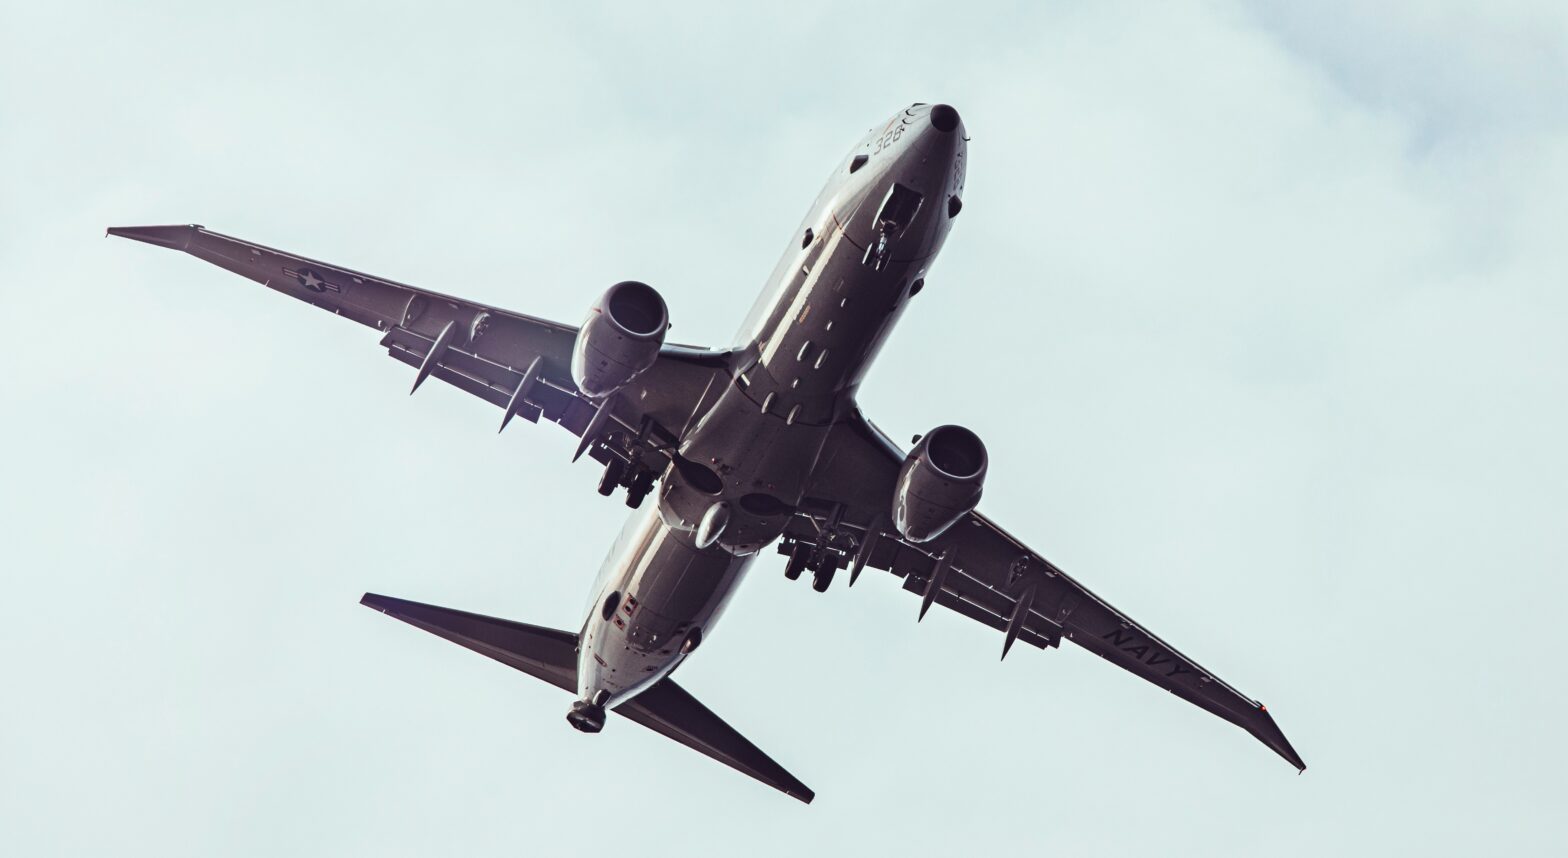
(762,443)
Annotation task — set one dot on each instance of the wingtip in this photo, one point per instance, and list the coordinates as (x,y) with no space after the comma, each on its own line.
(174,236)
(1270,734)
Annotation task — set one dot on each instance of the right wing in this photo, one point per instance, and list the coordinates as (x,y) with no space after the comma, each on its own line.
(483,350)
(982,572)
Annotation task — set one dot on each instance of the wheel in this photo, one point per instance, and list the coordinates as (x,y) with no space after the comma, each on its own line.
(822,578)
(612,477)
(797,561)
(638,488)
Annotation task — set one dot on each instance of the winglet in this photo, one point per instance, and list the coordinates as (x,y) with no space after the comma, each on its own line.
(175,237)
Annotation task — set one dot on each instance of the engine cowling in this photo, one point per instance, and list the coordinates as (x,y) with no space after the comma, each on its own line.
(620,339)
(939,482)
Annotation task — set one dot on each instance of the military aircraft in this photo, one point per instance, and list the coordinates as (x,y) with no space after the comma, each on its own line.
(761,443)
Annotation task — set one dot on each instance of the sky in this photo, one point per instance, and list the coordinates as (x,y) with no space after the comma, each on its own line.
(1259,309)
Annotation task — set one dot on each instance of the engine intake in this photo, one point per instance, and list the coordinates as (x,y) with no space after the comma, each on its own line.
(620,339)
(939,483)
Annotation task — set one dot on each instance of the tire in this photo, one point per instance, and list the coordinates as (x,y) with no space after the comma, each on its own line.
(822,579)
(637,488)
(612,477)
(797,561)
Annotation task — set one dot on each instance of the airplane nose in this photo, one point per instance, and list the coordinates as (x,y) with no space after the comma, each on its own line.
(944,118)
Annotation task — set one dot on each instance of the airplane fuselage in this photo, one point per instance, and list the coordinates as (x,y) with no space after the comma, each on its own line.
(859,256)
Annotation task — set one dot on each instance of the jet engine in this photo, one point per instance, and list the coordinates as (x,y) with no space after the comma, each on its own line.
(939,482)
(620,339)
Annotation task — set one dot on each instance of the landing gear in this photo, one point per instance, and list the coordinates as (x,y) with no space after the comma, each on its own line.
(611,480)
(826,564)
(877,254)
(898,212)
(821,561)
(798,559)
(635,476)
(638,487)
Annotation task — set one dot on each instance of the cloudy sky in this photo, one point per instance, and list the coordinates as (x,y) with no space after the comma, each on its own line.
(1260,311)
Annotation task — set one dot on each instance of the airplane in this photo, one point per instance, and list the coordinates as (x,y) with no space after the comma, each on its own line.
(759,444)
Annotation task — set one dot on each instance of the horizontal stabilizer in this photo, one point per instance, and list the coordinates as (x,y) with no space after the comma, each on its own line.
(669,709)
(551,655)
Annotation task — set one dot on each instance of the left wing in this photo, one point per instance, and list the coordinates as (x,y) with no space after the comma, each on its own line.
(984,573)
(517,362)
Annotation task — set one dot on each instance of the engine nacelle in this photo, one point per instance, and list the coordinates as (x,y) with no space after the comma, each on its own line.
(620,339)
(939,483)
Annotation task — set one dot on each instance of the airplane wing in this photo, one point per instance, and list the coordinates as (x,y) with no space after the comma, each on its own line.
(520,363)
(992,577)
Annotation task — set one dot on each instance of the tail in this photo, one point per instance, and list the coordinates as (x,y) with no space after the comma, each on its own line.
(551,655)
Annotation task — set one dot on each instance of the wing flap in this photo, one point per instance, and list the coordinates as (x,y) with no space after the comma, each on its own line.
(967,596)
(464,381)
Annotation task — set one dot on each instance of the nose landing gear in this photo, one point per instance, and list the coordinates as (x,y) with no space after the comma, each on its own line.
(898,212)
(877,254)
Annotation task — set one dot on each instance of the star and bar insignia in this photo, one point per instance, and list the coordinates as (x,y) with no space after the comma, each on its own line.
(311,280)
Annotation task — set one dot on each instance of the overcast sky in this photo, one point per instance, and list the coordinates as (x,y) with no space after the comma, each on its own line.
(1260,310)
